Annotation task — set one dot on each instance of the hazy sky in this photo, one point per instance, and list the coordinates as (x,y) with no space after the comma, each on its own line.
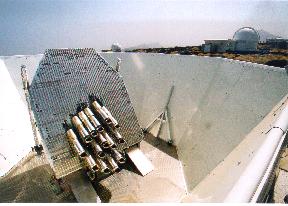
(31,26)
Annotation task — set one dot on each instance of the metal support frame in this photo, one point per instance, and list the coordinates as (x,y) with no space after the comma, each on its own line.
(163,117)
(117,67)
(38,147)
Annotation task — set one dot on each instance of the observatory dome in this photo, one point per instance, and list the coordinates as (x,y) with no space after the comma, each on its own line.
(116,47)
(246,34)
(246,39)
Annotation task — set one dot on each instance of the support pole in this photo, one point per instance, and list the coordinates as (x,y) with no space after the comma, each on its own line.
(245,187)
(38,147)
(163,118)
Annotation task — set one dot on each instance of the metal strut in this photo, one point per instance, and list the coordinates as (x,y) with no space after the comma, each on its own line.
(38,147)
(163,117)
(117,67)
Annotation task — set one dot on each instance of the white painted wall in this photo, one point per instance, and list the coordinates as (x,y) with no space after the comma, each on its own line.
(217,184)
(16,137)
(216,101)
(13,65)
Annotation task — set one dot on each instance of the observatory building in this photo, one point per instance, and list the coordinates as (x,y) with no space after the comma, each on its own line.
(278,43)
(116,47)
(244,39)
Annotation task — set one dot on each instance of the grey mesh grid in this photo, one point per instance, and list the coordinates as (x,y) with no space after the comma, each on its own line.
(64,78)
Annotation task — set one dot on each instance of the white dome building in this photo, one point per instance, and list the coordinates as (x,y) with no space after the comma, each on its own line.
(246,39)
(116,47)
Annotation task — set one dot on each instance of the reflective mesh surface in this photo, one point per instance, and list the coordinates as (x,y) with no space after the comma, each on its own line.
(66,77)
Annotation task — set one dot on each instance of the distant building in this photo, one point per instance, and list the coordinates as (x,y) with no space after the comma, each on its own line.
(116,47)
(244,40)
(278,43)
(218,45)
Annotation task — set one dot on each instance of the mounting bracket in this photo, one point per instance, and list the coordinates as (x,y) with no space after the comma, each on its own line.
(163,117)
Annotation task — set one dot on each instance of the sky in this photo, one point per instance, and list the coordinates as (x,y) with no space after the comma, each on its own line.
(31,26)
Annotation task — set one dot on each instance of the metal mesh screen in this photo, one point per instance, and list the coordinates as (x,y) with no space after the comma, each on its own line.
(66,77)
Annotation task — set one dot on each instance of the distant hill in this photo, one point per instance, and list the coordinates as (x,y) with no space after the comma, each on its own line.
(264,35)
(144,46)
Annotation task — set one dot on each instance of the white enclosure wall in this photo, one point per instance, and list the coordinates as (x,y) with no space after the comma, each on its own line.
(215,104)
(16,137)
(13,65)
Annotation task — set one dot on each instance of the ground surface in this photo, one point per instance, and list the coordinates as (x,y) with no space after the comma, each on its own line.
(266,55)
(164,184)
(32,180)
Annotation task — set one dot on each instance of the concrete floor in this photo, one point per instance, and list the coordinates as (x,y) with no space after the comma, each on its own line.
(32,181)
(164,184)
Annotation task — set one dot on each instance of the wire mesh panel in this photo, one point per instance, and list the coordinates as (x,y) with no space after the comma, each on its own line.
(65,78)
